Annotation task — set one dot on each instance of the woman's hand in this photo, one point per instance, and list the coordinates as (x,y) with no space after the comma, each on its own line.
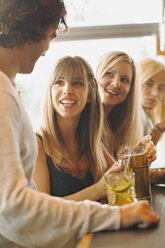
(160,126)
(146,143)
(150,149)
(100,185)
(157,132)
(116,168)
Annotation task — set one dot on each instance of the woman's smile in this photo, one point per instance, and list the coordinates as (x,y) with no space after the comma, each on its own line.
(68,102)
(112,92)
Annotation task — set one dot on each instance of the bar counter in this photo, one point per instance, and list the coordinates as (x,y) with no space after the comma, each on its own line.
(153,237)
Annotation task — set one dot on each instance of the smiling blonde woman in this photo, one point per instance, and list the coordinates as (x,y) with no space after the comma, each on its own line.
(72,159)
(119,90)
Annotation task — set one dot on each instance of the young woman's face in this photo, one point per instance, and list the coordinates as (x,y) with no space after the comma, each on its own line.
(116,84)
(153,91)
(70,98)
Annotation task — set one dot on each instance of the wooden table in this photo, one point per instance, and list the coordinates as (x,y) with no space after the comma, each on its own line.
(133,238)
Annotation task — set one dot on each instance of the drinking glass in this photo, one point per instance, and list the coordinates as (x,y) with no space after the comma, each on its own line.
(138,164)
(120,188)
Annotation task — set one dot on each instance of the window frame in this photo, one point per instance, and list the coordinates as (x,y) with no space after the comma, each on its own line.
(110,31)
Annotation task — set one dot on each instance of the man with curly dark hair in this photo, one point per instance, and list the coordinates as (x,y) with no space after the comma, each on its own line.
(28,26)
(28,217)
(28,21)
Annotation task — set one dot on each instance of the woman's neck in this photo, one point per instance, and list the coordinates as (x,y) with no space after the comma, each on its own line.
(67,129)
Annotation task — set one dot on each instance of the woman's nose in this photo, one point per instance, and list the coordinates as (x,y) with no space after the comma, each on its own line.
(155,92)
(67,89)
(116,82)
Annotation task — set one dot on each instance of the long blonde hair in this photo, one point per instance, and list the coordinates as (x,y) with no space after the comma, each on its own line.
(88,131)
(123,126)
(148,68)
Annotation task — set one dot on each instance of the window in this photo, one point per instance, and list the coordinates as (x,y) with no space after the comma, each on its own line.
(92,34)
(95,28)
(109,12)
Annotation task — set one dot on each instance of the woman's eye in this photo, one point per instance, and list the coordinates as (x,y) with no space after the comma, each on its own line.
(59,82)
(124,80)
(148,84)
(109,74)
(77,83)
(162,88)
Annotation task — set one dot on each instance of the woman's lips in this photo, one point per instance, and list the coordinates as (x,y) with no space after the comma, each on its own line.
(114,93)
(67,102)
(151,101)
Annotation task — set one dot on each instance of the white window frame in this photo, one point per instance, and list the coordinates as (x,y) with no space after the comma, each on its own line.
(110,31)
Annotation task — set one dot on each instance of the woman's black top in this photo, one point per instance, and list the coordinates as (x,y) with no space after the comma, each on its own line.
(63,184)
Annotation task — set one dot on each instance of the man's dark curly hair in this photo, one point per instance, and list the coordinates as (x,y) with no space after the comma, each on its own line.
(24,21)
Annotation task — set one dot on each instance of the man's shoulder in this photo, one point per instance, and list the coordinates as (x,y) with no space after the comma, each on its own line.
(5,83)
(4,77)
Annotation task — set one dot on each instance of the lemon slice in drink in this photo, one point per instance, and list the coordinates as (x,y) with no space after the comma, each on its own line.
(122,185)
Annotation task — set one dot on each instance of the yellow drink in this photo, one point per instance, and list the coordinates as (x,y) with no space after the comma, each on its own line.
(120,188)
